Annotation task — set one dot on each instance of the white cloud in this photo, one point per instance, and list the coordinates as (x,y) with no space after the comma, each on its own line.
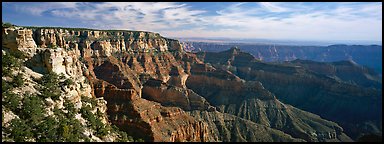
(38,8)
(343,21)
(273,7)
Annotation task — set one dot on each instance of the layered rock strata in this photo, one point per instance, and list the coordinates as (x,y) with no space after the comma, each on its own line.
(156,91)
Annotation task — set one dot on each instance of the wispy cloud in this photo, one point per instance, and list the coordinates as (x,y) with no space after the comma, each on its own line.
(39,8)
(343,21)
(316,21)
(273,7)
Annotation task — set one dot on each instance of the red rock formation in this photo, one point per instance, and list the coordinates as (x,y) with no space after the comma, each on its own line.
(145,79)
(147,119)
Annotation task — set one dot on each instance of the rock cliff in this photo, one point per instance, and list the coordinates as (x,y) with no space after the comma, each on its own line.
(251,101)
(148,86)
(345,71)
(227,127)
(336,91)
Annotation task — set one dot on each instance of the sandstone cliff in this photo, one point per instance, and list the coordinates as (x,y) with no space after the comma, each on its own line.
(227,127)
(98,57)
(250,100)
(152,89)
(335,91)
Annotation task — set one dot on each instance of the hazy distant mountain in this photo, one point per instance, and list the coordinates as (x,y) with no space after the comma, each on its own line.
(367,55)
(277,41)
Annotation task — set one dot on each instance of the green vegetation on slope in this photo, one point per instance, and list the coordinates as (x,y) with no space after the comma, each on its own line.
(7,24)
(33,122)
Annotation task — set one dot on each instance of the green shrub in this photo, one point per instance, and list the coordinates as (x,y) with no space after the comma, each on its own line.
(9,62)
(11,101)
(47,93)
(50,78)
(50,86)
(68,128)
(64,131)
(48,130)
(5,86)
(75,130)
(18,80)
(122,136)
(101,130)
(68,82)
(70,107)
(7,25)
(92,101)
(33,108)
(87,114)
(19,130)
(139,140)
(17,54)
(98,113)
(94,121)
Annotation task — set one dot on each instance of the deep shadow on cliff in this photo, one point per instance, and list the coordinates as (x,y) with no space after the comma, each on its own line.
(343,92)
(158,92)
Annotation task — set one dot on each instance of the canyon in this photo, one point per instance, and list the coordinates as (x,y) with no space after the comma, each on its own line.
(151,88)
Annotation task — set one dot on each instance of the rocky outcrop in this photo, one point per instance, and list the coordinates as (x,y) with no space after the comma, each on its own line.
(186,99)
(65,62)
(112,41)
(14,38)
(229,128)
(172,124)
(328,98)
(251,101)
(60,61)
(150,120)
(309,88)
(120,80)
(151,88)
(344,71)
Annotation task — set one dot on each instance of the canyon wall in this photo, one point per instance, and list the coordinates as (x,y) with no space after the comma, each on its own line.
(152,89)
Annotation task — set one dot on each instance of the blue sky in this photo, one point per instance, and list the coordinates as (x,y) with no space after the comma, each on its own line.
(265,20)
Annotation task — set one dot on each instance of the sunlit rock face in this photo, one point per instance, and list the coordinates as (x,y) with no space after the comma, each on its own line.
(152,89)
(14,38)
